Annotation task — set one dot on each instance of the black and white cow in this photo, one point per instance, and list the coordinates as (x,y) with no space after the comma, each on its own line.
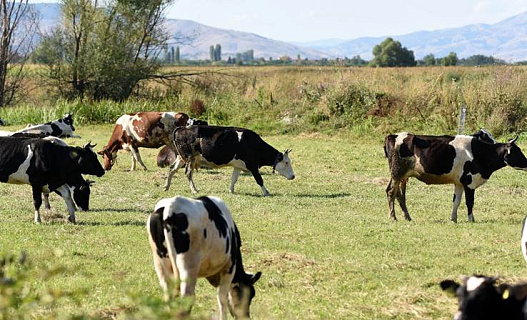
(46,166)
(215,146)
(465,161)
(197,238)
(166,155)
(80,188)
(62,128)
(480,298)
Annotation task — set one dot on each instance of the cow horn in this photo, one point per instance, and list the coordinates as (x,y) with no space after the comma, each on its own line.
(514,140)
(287,151)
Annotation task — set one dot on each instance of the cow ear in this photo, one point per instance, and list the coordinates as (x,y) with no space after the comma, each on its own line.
(518,291)
(90,182)
(449,286)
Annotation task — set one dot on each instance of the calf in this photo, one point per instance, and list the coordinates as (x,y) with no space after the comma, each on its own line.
(46,166)
(480,299)
(214,147)
(61,128)
(166,155)
(195,238)
(465,161)
(143,129)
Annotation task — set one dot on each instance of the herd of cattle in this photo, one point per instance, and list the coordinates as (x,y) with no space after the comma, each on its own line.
(192,238)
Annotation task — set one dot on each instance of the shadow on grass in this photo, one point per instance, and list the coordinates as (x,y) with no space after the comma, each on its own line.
(113,210)
(325,196)
(115,223)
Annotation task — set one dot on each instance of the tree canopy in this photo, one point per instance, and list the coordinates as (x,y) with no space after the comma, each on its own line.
(391,53)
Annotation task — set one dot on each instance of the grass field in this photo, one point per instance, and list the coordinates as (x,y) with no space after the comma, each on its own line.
(323,241)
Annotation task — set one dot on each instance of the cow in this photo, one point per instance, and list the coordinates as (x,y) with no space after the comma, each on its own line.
(80,188)
(61,128)
(166,155)
(480,298)
(215,146)
(141,130)
(197,238)
(523,243)
(46,166)
(465,161)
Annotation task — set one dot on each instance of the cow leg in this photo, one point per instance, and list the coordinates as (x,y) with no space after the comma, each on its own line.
(37,201)
(166,275)
(65,193)
(136,157)
(234,178)
(223,294)
(258,177)
(401,198)
(46,200)
(458,195)
(189,170)
(469,199)
(173,169)
(391,192)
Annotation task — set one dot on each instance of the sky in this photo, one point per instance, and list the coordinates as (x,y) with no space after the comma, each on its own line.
(312,20)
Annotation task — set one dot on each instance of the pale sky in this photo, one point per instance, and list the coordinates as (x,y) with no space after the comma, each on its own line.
(309,20)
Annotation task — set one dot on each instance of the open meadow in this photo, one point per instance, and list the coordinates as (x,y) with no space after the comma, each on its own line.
(323,241)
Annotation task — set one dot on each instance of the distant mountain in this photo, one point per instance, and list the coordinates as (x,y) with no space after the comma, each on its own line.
(195,40)
(506,40)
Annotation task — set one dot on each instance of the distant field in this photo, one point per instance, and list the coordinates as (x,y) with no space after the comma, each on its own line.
(323,241)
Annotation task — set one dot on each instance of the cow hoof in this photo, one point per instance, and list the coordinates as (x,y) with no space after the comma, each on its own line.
(72,220)
(453,220)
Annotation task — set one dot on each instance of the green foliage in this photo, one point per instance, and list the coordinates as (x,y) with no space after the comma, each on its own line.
(480,60)
(450,60)
(391,53)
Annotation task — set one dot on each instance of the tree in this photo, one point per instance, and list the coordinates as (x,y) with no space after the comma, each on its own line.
(217,53)
(104,52)
(450,60)
(390,53)
(177,57)
(429,60)
(18,23)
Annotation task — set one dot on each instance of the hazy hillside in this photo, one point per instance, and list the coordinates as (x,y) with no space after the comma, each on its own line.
(506,40)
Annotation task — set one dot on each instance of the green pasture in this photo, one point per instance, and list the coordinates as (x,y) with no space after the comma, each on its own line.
(323,241)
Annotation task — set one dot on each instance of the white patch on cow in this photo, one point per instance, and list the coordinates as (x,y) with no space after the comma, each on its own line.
(524,239)
(21,176)
(240,133)
(474,282)
(237,163)
(399,140)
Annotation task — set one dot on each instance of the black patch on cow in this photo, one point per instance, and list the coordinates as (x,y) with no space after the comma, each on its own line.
(437,157)
(227,246)
(468,168)
(235,251)
(157,233)
(215,215)
(55,130)
(177,224)
(205,233)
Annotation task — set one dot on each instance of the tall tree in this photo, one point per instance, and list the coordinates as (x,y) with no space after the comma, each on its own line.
(391,53)
(450,60)
(18,23)
(104,52)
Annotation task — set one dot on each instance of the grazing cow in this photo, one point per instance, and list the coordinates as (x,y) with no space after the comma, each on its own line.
(214,147)
(465,161)
(80,188)
(143,129)
(480,298)
(195,238)
(61,128)
(46,166)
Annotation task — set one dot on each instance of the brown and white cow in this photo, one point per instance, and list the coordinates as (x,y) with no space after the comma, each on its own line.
(141,130)
(197,238)
(467,162)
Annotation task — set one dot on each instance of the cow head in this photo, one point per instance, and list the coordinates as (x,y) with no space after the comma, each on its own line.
(479,298)
(283,165)
(68,120)
(108,157)
(514,157)
(87,159)
(81,194)
(241,295)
